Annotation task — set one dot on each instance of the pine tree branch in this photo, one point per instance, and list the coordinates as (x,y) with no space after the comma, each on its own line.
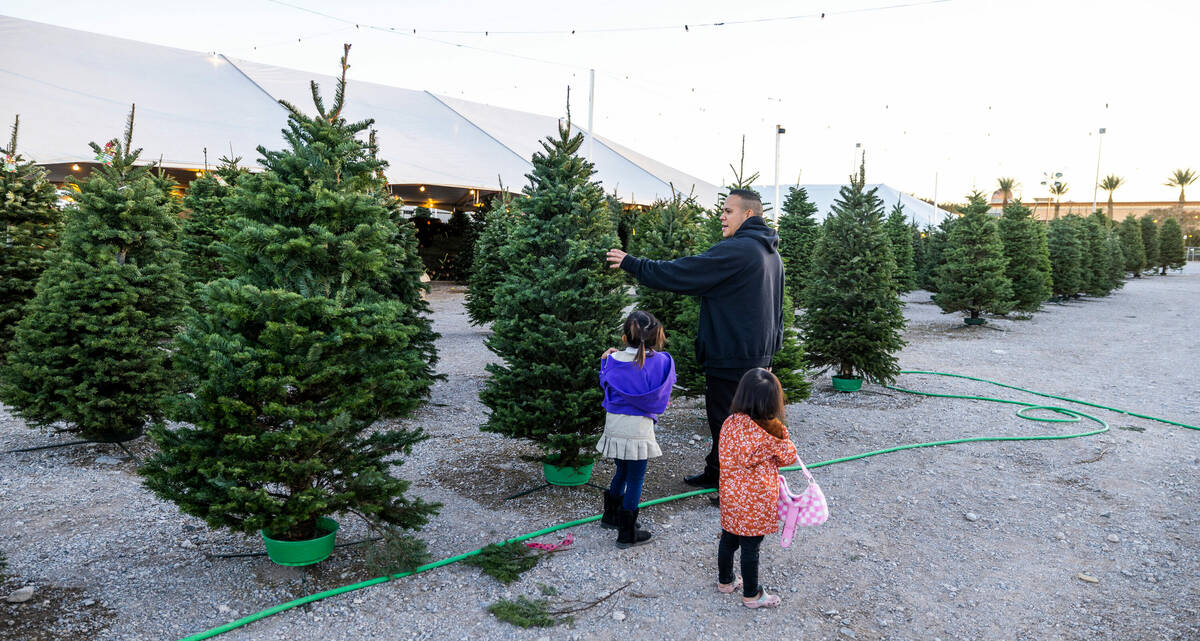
(590,604)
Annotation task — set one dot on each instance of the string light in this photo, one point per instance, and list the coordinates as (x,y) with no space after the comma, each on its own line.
(74,167)
(422,187)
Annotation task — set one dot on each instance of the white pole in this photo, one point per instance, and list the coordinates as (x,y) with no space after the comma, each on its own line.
(1096,185)
(935,181)
(775,208)
(591,109)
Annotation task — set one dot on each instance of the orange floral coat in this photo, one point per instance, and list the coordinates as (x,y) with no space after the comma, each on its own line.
(749,482)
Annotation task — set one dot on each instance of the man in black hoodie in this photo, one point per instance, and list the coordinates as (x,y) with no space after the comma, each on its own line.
(740,284)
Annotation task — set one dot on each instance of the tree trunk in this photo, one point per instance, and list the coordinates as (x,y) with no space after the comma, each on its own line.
(1110,208)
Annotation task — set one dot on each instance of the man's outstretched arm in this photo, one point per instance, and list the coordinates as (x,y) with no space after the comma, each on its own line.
(691,275)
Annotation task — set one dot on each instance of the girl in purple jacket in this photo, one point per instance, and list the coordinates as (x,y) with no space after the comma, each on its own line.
(637,386)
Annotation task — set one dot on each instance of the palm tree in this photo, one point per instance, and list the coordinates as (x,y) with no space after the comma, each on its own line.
(1058,190)
(1007,185)
(1181,178)
(1110,184)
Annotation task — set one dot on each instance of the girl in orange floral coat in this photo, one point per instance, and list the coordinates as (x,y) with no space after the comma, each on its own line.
(754,445)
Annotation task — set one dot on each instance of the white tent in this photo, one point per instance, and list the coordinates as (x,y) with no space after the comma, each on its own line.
(823,196)
(71,87)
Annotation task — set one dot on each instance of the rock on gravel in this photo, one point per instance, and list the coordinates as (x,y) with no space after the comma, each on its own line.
(22,595)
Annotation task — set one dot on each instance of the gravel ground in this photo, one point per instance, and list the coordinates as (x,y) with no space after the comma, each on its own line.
(975,541)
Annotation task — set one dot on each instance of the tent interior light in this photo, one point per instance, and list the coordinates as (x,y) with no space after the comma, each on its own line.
(74,167)
(422,187)
(199,173)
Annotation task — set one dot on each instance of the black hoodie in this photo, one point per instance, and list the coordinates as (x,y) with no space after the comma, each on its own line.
(740,284)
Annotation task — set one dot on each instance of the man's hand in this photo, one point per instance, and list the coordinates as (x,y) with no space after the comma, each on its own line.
(615,256)
(607,352)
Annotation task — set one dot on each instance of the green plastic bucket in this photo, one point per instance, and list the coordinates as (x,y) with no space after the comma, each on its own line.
(974,321)
(847,383)
(303,552)
(567,476)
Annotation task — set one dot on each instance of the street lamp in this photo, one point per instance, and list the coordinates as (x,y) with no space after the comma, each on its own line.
(1051,180)
(1096,185)
(779,131)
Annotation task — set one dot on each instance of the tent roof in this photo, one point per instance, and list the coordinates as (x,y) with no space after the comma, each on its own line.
(823,197)
(188,101)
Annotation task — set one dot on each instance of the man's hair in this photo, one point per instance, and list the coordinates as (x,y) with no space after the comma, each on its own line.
(751,198)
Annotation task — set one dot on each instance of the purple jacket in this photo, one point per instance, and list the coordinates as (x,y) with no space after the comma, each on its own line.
(644,391)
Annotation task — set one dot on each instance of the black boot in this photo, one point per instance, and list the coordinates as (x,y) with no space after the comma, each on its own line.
(706,479)
(609,520)
(628,534)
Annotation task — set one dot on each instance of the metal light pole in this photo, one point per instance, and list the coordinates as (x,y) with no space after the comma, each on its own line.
(854,158)
(1096,185)
(779,131)
(591,109)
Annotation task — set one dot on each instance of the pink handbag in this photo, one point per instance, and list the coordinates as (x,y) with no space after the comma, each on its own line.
(807,508)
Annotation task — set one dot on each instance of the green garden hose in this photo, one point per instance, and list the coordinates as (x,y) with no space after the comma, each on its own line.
(1066,416)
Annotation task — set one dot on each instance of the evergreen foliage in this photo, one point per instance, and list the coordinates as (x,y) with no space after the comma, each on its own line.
(556,310)
(1150,240)
(1132,247)
(316,332)
(934,253)
(1171,253)
(1097,259)
(672,229)
(206,214)
(505,562)
(90,349)
(30,224)
(798,233)
(487,268)
(1116,259)
(789,364)
(900,234)
(972,278)
(1065,257)
(1028,268)
(524,612)
(852,319)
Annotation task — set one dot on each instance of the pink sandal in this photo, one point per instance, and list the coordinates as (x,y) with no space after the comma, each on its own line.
(764,600)
(730,587)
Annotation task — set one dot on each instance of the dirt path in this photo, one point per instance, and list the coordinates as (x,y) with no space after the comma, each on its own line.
(899,558)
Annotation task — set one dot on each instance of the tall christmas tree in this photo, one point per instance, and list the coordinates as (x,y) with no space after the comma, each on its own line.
(205,214)
(30,224)
(310,338)
(1096,257)
(1171,253)
(852,320)
(1065,257)
(900,233)
(556,310)
(487,269)
(1132,247)
(798,234)
(89,351)
(669,230)
(1024,241)
(973,277)
(1150,240)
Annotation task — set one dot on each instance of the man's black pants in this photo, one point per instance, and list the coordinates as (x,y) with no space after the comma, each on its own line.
(718,396)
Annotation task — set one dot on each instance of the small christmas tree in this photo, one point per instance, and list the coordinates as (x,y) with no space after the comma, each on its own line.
(1024,241)
(89,351)
(973,277)
(1116,259)
(900,233)
(1171,253)
(798,234)
(487,269)
(1132,247)
(669,230)
(852,319)
(935,245)
(1150,240)
(712,224)
(556,310)
(30,224)
(1065,257)
(1096,259)
(315,333)
(204,216)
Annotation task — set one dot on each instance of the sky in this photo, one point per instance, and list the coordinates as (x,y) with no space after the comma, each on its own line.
(944,95)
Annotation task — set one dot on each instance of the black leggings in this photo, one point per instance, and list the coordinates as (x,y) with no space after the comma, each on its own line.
(749,545)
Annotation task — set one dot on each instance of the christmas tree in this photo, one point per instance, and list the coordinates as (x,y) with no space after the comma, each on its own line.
(972,278)
(789,364)
(712,224)
(1024,241)
(1150,240)
(671,229)
(487,269)
(1116,259)
(1065,257)
(30,224)
(1132,247)
(934,248)
(1171,253)
(852,320)
(556,310)
(89,351)
(798,233)
(900,234)
(205,215)
(312,336)
(1096,258)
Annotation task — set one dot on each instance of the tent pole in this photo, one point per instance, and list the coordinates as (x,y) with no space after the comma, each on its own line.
(775,205)
(591,109)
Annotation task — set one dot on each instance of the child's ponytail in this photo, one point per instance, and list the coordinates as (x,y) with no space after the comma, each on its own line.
(643,331)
